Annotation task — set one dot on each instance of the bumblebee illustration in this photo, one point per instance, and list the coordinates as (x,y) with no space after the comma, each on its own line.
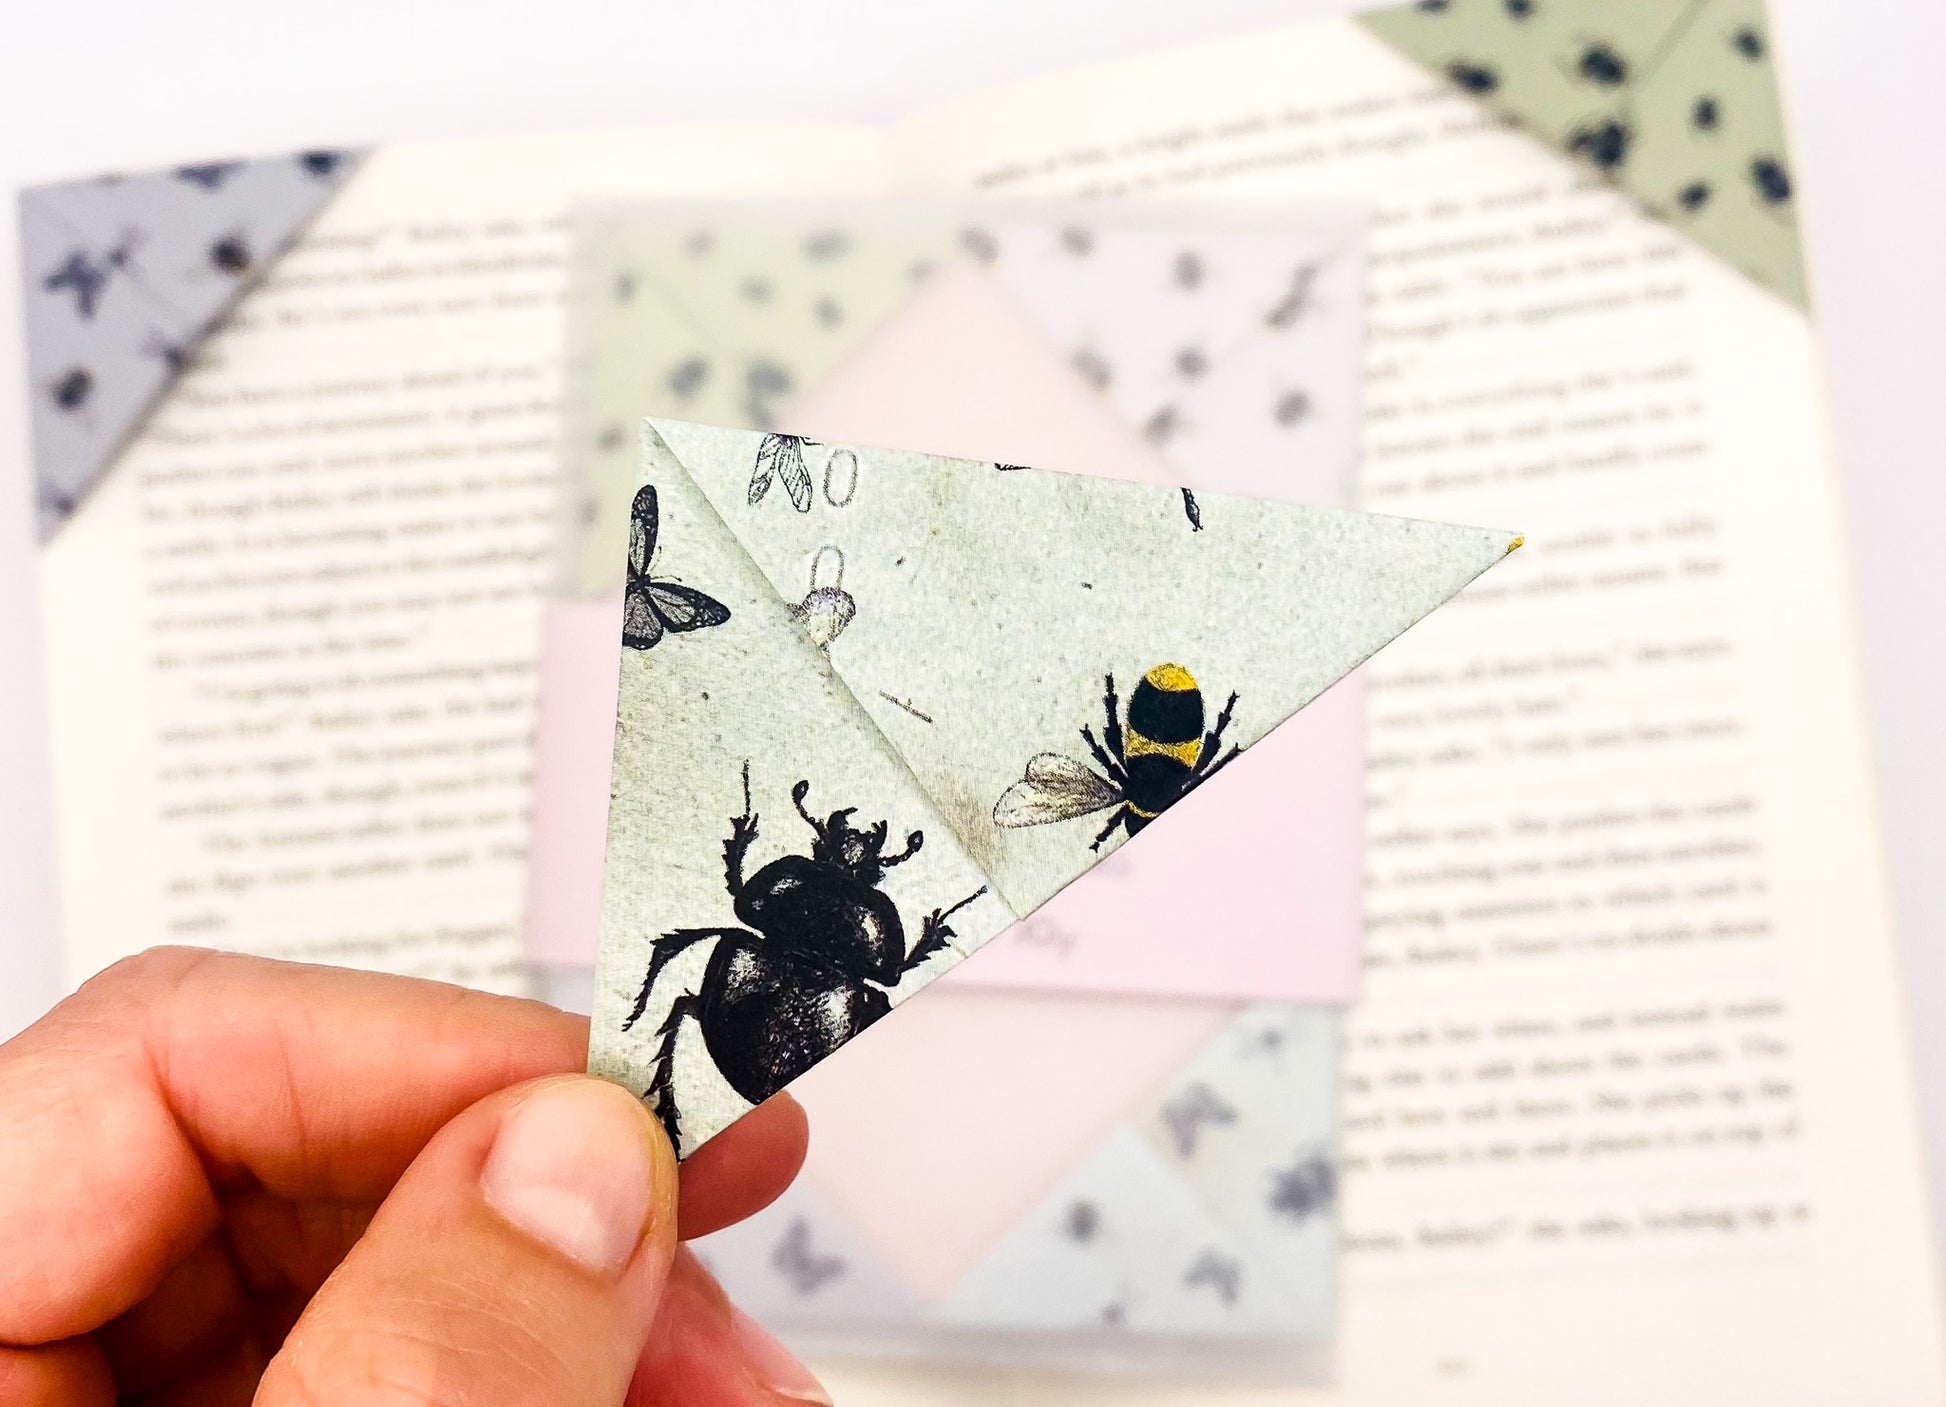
(827,948)
(1152,763)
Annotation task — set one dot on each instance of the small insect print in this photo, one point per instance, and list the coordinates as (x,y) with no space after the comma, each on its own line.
(827,608)
(764,383)
(654,608)
(1473,77)
(823,947)
(1150,764)
(1082,1221)
(1772,181)
(1192,510)
(1291,408)
(1093,367)
(71,389)
(1605,143)
(86,276)
(803,1268)
(1304,1189)
(822,246)
(1297,297)
(321,165)
(1218,1272)
(687,376)
(208,175)
(1601,65)
(231,255)
(979,244)
(781,457)
(1190,1112)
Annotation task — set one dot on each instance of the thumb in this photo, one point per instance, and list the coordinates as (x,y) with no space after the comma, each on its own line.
(519,1260)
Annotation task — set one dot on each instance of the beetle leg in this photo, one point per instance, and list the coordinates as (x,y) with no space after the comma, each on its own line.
(666,949)
(662,1087)
(1119,815)
(936,933)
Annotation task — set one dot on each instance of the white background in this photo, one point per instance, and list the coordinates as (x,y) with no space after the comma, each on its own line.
(130,84)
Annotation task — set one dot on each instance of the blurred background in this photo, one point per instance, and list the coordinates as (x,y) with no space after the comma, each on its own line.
(128,86)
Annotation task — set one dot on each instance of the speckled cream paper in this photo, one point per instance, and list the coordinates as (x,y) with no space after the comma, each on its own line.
(917,771)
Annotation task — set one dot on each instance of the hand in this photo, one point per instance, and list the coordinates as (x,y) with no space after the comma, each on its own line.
(224,1179)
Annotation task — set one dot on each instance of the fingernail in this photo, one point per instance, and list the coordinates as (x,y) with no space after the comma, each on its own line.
(775,1367)
(572,1169)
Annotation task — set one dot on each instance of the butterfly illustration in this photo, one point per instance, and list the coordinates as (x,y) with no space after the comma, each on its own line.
(653,607)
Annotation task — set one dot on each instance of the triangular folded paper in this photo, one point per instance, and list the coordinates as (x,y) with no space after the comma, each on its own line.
(124,279)
(875,706)
(1675,101)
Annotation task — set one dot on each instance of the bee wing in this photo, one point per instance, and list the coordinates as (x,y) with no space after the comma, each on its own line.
(1056,788)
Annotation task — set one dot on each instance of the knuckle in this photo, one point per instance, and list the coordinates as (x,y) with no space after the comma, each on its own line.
(163,967)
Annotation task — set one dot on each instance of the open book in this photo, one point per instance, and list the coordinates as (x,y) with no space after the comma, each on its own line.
(1629,1112)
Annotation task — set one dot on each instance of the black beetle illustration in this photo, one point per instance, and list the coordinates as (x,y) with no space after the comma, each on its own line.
(827,948)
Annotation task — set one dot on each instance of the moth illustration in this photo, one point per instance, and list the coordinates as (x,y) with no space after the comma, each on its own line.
(210,175)
(1305,1188)
(71,389)
(1473,77)
(86,275)
(782,457)
(827,947)
(1220,1273)
(1601,65)
(320,165)
(1604,142)
(231,255)
(799,1264)
(653,608)
(1186,1115)
(1295,301)
(1161,755)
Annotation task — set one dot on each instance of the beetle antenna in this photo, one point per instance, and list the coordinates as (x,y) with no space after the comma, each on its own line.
(798,793)
(912,844)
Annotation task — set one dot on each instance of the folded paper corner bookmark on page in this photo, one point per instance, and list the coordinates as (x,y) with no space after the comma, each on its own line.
(821,803)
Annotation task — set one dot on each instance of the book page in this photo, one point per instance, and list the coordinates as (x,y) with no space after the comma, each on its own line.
(293,638)
(1629,1112)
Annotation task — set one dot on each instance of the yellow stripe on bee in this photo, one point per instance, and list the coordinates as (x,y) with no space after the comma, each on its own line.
(1172,678)
(1135,745)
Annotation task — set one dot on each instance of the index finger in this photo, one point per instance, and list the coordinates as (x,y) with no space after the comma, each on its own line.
(182,1074)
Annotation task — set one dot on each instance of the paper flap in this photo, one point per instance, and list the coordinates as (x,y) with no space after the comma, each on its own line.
(1673,100)
(124,279)
(989,610)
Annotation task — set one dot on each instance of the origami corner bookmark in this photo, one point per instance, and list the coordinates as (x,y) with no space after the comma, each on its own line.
(876,706)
